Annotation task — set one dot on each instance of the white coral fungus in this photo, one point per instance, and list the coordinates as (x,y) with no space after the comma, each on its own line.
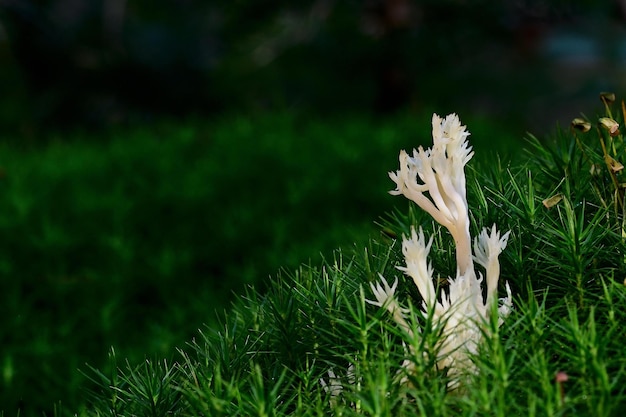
(462,311)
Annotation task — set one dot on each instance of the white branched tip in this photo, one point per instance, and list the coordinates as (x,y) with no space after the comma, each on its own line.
(335,385)
(505,304)
(439,171)
(415,252)
(383,293)
(487,248)
(385,299)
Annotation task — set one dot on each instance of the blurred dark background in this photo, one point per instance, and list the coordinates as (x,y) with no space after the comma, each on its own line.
(101,62)
(158,156)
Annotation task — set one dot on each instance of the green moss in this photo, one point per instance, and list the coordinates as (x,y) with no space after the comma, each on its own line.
(136,237)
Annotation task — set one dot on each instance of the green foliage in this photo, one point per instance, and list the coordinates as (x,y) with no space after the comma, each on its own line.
(143,390)
(560,352)
(136,238)
(310,344)
(244,370)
